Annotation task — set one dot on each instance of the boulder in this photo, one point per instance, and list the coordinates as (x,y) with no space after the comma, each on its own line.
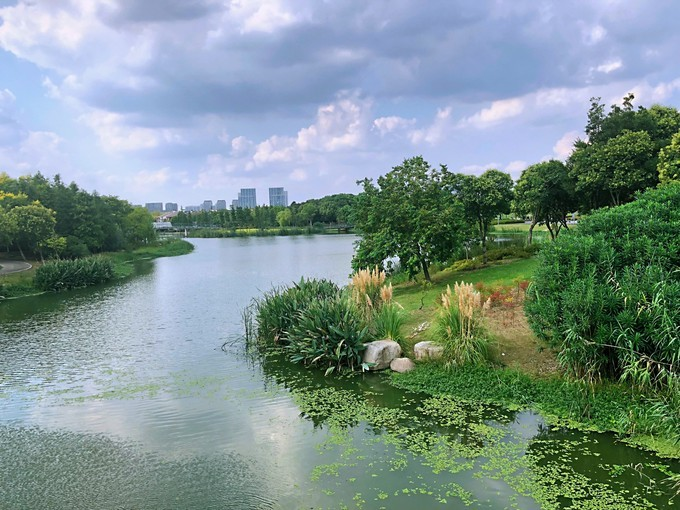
(381,353)
(428,350)
(402,365)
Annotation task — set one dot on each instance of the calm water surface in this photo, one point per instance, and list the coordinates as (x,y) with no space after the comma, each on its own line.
(141,395)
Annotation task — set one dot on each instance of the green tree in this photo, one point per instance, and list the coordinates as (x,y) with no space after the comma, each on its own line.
(410,215)
(308,212)
(34,225)
(284,217)
(669,161)
(7,228)
(484,198)
(546,192)
(139,226)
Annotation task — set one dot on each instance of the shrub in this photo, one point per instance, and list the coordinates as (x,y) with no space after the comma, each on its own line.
(388,322)
(328,333)
(277,311)
(457,326)
(607,295)
(367,290)
(69,274)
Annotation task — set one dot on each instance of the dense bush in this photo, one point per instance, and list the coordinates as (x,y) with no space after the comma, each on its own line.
(277,311)
(315,322)
(607,295)
(329,333)
(69,274)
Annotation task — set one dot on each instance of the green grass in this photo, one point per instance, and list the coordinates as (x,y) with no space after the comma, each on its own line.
(517,227)
(421,300)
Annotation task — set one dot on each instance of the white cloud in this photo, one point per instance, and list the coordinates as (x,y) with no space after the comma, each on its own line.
(116,136)
(341,125)
(593,34)
(386,125)
(478,169)
(298,175)
(498,111)
(563,147)
(610,66)
(515,167)
(435,132)
(240,146)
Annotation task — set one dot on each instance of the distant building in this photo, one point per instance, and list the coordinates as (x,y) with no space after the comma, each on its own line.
(192,208)
(154,206)
(278,197)
(207,205)
(171,206)
(220,205)
(234,204)
(246,198)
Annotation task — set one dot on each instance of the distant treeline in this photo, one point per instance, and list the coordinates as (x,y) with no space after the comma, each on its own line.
(47,218)
(332,209)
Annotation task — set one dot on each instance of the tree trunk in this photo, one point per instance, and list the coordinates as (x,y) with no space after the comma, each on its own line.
(531,231)
(21,251)
(426,271)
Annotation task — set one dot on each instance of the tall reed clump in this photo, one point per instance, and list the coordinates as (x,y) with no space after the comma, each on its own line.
(389,319)
(59,275)
(458,328)
(366,290)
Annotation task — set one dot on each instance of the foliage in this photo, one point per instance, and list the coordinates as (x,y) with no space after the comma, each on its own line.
(546,192)
(409,215)
(368,291)
(32,226)
(329,333)
(457,326)
(388,321)
(669,161)
(138,227)
(484,198)
(620,156)
(59,275)
(277,310)
(608,295)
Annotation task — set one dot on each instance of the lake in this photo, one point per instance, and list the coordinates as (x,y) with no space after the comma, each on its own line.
(141,394)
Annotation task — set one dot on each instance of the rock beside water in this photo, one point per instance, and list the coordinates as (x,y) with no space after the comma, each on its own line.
(381,353)
(402,365)
(428,350)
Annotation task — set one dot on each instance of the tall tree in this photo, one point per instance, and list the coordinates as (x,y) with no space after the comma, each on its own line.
(546,192)
(409,215)
(669,161)
(484,198)
(34,225)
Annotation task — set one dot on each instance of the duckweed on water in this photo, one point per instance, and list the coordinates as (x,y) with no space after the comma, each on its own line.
(458,442)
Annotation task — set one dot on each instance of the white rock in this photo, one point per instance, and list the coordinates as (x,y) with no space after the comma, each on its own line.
(428,350)
(381,353)
(402,365)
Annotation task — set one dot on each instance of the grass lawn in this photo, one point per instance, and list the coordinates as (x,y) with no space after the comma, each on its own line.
(517,227)
(514,344)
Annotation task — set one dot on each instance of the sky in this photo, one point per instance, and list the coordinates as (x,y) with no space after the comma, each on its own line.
(187,100)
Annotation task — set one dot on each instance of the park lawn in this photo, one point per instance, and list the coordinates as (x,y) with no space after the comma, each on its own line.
(516,227)
(514,344)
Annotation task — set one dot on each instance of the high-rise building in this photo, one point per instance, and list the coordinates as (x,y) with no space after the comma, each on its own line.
(170,206)
(220,205)
(154,206)
(246,198)
(207,205)
(278,197)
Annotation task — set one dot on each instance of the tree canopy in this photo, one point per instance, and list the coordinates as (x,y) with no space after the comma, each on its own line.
(410,214)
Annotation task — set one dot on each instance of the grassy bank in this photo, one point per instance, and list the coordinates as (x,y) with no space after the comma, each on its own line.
(261,232)
(22,284)
(522,373)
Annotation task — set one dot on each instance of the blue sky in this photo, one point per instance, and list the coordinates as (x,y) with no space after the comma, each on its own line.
(186,100)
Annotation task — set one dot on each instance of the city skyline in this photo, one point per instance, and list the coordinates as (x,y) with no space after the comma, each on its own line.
(181,100)
(278,197)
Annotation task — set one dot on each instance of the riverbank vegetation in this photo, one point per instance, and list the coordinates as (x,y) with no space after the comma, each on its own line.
(64,274)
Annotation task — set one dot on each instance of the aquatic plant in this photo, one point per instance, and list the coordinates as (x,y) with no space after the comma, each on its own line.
(457,326)
(59,275)
(328,333)
(278,310)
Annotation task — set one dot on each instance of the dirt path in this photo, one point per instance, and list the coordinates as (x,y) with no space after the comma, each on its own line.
(13,266)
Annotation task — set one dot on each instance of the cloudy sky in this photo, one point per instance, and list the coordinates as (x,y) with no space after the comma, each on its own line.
(186,100)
